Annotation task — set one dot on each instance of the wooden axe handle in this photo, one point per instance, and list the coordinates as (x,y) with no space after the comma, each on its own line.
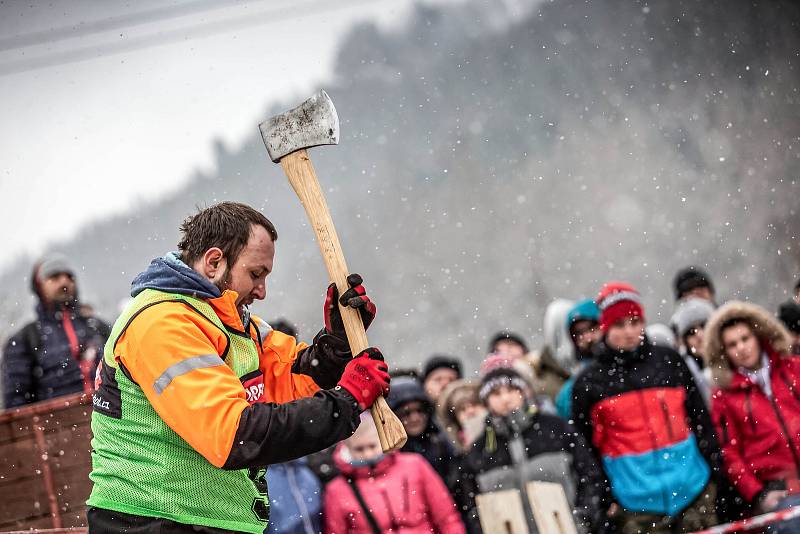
(300,171)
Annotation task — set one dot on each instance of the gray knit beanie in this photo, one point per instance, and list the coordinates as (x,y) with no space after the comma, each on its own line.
(690,313)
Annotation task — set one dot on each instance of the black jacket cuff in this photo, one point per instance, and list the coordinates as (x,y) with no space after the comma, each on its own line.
(324,360)
(772,485)
(271,433)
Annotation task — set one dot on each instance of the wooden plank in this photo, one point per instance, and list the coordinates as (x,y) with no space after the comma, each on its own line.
(72,487)
(67,443)
(52,531)
(551,510)
(40,522)
(39,408)
(75,518)
(66,418)
(29,501)
(501,512)
(20,459)
(23,499)
(19,430)
(67,448)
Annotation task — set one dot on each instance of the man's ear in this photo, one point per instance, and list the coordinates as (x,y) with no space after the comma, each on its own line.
(212,265)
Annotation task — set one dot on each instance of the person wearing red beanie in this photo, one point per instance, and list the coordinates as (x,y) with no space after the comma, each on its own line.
(618,300)
(639,408)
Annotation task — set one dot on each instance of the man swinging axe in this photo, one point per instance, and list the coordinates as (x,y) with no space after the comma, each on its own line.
(195,396)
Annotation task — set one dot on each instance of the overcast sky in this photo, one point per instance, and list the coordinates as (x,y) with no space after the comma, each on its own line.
(104,104)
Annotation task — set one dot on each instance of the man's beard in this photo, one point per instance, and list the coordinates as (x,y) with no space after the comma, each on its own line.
(64,297)
(225,282)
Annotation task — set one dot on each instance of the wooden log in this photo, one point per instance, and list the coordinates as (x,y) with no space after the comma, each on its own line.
(551,510)
(501,512)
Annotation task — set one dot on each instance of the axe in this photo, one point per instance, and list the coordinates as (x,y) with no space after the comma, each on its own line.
(287,136)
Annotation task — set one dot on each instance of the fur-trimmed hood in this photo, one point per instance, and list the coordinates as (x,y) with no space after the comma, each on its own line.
(455,392)
(770,332)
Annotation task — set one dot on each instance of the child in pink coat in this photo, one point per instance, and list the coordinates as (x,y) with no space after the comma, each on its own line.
(401,491)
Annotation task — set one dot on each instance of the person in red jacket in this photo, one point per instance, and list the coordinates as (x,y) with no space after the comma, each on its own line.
(398,492)
(756,404)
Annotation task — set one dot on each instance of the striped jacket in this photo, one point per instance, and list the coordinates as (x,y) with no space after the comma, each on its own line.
(644,417)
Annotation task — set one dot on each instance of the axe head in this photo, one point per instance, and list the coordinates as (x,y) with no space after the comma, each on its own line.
(312,123)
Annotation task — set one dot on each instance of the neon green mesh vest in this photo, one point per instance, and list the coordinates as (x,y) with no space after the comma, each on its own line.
(142,467)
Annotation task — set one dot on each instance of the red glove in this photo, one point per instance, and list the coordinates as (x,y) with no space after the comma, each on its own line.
(366,377)
(355,297)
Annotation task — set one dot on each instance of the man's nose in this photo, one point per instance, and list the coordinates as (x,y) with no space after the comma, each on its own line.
(260,291)
(64,280)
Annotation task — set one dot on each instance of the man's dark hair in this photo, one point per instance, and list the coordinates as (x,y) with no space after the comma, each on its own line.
(282,325)
(505,335)
(441,361)
(797,287)
(404,371)
(226,225)
(690,278)
(789,313)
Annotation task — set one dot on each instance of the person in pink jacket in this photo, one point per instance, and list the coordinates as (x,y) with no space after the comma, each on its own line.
(375,493)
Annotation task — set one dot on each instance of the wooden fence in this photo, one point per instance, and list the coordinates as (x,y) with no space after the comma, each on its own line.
(45,454)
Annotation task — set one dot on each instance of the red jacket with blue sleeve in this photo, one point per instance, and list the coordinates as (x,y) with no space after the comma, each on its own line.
(646,421)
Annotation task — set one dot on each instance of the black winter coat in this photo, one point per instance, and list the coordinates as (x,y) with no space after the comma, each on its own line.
(650,390)
(540,447)
(434,446)
(38,363)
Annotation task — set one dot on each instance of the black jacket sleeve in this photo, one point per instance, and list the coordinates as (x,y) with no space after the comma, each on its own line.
(324,360)
(17,370)
(581,409)
(271,433)
(699,418)
(593,493)
(465,489)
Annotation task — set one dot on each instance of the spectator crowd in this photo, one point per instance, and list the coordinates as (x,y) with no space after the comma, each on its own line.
(648,428)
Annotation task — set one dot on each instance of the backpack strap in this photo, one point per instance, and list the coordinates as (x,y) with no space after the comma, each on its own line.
(33,337)
(373,524)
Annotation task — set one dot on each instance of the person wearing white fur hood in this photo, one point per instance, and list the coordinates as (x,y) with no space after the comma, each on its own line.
(755,405)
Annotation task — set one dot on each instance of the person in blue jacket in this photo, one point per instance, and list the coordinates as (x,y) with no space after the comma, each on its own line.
(295,498)
(295,492)
(55,354)
(583,325)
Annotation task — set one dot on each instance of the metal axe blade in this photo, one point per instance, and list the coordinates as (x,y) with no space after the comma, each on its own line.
(312,123)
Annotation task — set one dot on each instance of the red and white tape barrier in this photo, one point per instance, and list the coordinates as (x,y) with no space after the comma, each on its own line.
(753,522)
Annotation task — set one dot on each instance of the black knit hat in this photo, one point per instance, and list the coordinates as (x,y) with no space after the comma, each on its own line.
(505,335)
(502,376)
(441,361)
(406,389)
(690,278)
(789,314)
(282,325)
